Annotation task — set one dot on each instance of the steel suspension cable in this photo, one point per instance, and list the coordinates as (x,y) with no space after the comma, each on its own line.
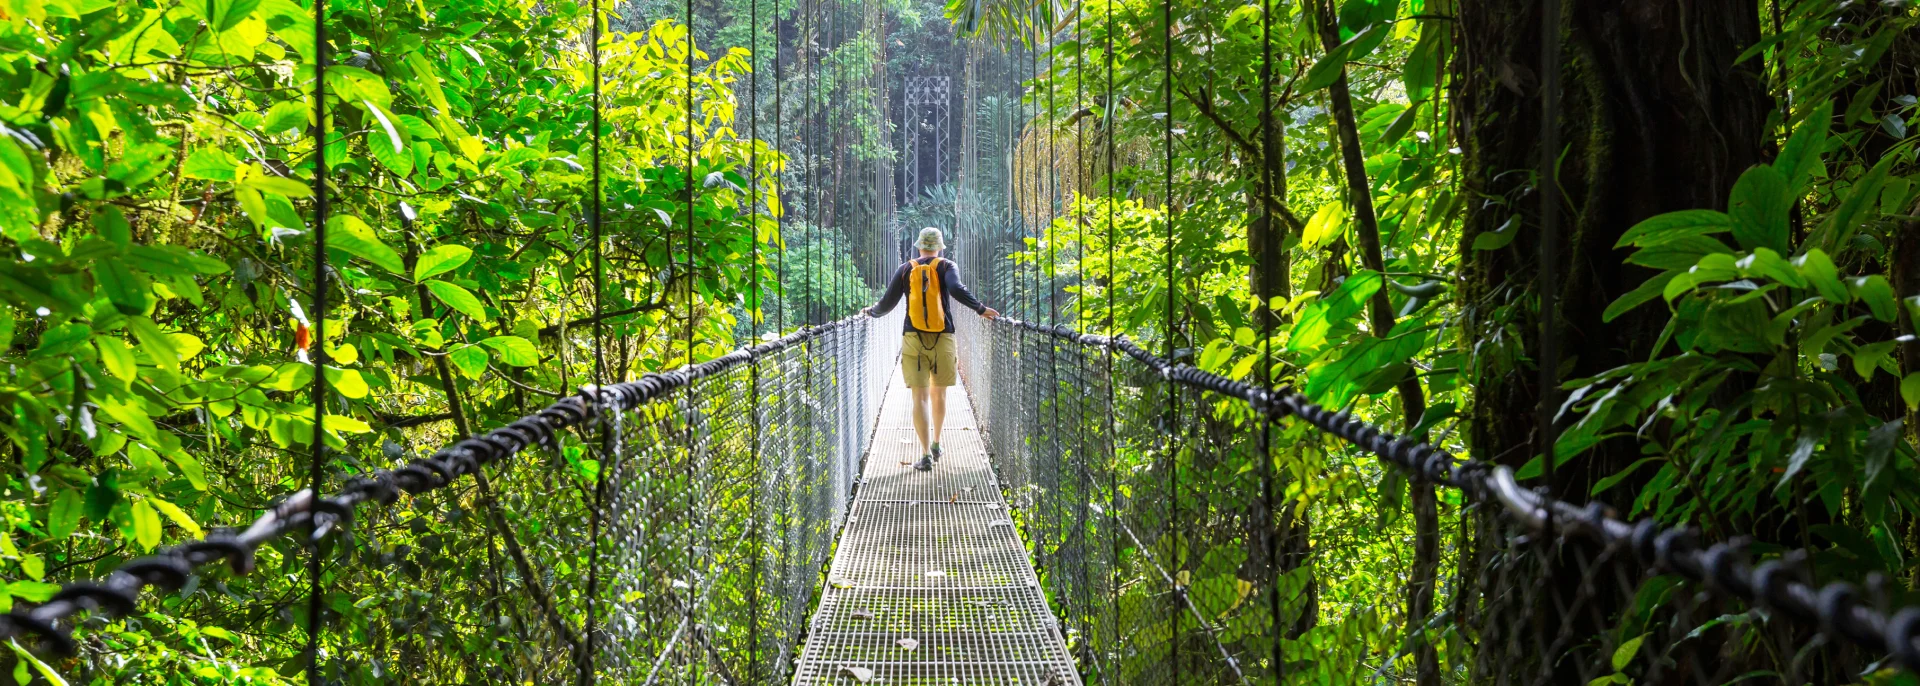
(686,395)
(595,222)
(322,208)
(1109,121)
(1173,417)
(753,330)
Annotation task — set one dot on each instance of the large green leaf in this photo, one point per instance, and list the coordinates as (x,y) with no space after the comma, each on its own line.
(1800,156)
(1856,208)
(1648,290)
(460,299)
(1759,208)
(347,232)
(1319,318)
(1331,65)
(1663,227)
(513,350)
(221,15)
(440,260)
(64,517)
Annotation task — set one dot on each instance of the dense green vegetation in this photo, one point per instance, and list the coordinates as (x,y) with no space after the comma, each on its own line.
(1737,283)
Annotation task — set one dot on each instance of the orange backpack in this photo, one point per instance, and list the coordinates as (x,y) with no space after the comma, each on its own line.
(925,307)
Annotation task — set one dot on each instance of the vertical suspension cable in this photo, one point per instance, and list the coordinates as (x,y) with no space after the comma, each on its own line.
(595,226)
(1113,282)
(1549,230)
(321,208)
(1084,582)
(686,394)
(1172,452)
(779,186)
(753,331)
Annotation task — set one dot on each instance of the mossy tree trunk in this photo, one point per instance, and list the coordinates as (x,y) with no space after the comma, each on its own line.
(1655,117)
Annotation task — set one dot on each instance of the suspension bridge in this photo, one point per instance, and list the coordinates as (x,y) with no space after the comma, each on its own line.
(1104,514)
(850,567)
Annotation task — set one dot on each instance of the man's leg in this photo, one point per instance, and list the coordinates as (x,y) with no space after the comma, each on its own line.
(938,397)
(920,416)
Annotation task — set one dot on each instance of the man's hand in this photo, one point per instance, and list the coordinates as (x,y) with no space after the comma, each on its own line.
(867,311)
(990,313)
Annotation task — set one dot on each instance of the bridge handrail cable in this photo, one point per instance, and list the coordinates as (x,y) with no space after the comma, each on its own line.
(1836,607)
(118,593)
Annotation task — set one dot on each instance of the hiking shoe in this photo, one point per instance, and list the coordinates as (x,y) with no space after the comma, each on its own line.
(936,452)
(925,464)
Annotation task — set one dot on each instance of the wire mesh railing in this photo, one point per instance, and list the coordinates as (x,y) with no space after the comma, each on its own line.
(672,529)
(1177,548)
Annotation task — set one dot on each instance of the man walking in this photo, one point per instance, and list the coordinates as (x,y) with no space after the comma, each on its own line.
(927,354)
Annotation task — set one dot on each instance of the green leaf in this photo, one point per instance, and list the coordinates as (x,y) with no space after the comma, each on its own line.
(460,299)
(127,292)
(172,260)
(1661,228)
(345,424)
(1648,290)
(155,343)
(1499,237)
(1821,273)
(1767,263)
(1326,223)
(1334,63)
(1310,332)
(1759,207)
(440,260)
(348,233)
(178,516)
(64,517)
(222,14)
(211,164)
(513,350)
(279,185)
(1420,74)
(288,114)
(146,524)
(116,357)
(1877,293)
(190,467)
(1679,253)
(1840,226)
(470,359)
(347,382)
(1801,155)
(1868,357)
(46,671)
(1623,655)
(428,81)
(1910,390)
(1401,124)
(391,149)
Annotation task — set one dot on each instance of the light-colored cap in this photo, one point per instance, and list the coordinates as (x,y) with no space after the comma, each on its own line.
(930,239)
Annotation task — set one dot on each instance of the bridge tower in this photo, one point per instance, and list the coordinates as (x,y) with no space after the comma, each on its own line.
(926,124)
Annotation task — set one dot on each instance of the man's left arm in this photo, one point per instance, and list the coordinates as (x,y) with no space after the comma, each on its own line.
(959,290)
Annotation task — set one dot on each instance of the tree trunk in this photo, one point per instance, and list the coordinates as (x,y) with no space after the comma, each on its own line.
(1413,400)
(1656,117)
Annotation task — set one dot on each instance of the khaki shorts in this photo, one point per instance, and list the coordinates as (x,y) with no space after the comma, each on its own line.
(928,359)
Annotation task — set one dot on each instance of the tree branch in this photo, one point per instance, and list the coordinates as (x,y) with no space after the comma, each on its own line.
(551,331)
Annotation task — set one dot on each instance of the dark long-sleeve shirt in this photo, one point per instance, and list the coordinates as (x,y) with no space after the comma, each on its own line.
(951,289)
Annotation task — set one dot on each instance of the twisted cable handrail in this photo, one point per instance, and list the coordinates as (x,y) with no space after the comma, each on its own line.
(118,594)
(1834,608)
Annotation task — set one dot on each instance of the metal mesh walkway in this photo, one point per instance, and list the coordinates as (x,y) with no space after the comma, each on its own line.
(931,583)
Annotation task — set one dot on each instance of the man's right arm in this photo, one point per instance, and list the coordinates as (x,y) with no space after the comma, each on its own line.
(896,290)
